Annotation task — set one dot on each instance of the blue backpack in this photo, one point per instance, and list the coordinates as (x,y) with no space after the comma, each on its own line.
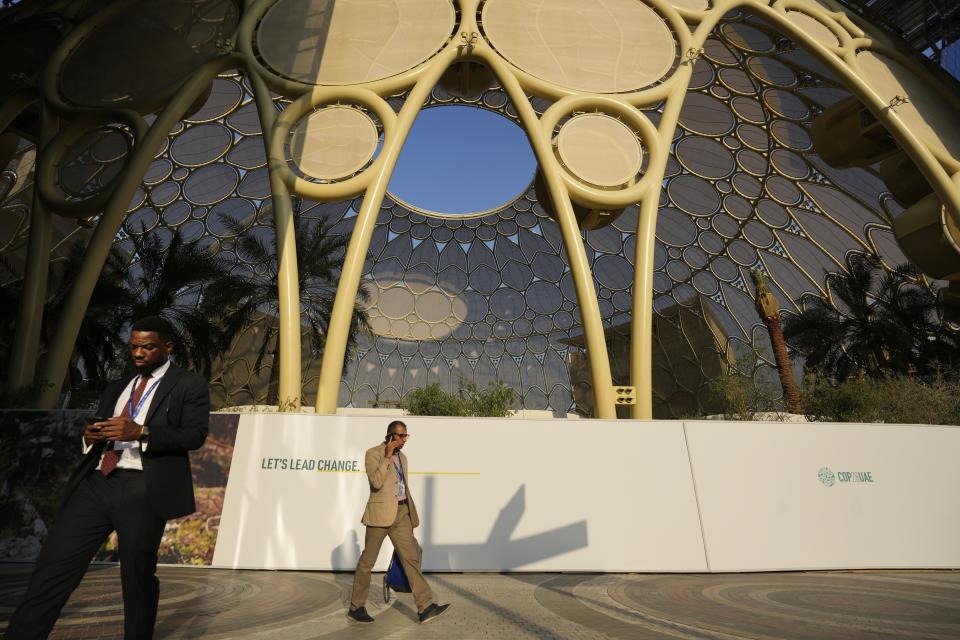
(395,578)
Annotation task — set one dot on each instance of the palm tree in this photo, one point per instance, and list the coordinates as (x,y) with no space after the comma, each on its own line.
(99,344)
(190,286)
(769,311)
(320,256)
(875,322)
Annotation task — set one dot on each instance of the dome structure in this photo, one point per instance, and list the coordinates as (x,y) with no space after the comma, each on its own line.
(681,144)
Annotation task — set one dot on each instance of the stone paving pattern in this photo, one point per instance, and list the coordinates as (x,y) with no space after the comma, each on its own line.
(299,605)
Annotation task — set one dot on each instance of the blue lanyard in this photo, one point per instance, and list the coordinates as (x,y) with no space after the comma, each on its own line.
(134,411)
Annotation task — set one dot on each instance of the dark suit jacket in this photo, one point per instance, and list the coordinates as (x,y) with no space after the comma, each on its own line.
(179,418)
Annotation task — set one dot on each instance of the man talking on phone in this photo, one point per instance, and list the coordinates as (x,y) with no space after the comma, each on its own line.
(135,475)
(391,512)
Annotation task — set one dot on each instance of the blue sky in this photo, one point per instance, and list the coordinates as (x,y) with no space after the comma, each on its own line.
(461,159)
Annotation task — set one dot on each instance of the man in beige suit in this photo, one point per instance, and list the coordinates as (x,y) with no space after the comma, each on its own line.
(391,512)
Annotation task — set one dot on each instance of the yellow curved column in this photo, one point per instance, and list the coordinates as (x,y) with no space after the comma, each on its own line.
(26,343)
(331,371)
(290,390)
(68,327)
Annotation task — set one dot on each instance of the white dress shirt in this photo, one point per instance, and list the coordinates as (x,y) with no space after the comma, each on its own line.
(130,456)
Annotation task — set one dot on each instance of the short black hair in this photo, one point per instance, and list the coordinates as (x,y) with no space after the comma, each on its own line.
(156,324)
(396,423)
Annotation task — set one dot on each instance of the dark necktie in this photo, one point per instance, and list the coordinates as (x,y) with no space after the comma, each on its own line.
(111,456)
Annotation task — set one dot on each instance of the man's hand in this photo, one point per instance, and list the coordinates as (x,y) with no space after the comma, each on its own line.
(92,433)
(392,443)
(118,428)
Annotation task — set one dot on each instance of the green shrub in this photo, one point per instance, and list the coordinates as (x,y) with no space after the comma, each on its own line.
(493,401)
(738,396)
(432,400)
(897,399)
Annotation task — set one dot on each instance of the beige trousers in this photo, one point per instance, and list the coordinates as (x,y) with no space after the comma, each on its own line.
(401,535)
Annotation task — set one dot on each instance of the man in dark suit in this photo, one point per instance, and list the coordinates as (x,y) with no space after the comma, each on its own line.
(135,475)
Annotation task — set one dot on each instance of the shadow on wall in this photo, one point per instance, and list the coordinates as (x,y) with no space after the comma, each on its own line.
(500,550)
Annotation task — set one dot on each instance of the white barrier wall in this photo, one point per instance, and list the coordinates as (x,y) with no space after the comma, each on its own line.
(587,495)
(826,496)
(527,495)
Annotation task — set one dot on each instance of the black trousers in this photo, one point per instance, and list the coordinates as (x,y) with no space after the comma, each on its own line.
(98,506)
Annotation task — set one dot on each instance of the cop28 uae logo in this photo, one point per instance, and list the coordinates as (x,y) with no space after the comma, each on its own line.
(829,478)
(826,476)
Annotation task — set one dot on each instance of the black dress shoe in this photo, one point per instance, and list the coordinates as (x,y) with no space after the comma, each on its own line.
(432,612)
(359,615)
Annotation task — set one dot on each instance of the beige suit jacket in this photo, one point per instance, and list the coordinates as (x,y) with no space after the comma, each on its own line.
(381,508)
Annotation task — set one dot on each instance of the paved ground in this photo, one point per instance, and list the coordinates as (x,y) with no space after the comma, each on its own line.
(299,605)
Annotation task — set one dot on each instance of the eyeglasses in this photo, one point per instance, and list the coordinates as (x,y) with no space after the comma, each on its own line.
(401,435)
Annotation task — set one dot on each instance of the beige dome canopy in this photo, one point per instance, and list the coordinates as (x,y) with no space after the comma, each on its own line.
(601,46)
(338,42)
(600,150)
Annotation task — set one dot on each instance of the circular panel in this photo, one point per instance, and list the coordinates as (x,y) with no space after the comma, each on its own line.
(790,164)
(725,225)
(613,272)
(338,42)
(742,253)
(600,150)
(230,216)
(201,144)
(791,135)
(145,50)
(210,184)
(164,193)
(92,162)
(718,52)
(758,234)
(675,227)
(705,283)
(433,306)
(158,171)
(737,206)
(786,104)
(754,137)
(705,157)
(695,257)
(748,109)
(694,195)
(736,79)
(771,71)
(747,186)
(773,214)
(141,220)
(333,143)
(783,190)
(702,74)
(723,268)
(927,114)
(706,115)
(248,153)
(813,28)
(507,304)
(745,37)
(225,96)
(601,47)
(752,162)
(397,303)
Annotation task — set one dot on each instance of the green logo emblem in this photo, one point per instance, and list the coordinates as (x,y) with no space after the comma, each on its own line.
(827,477)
